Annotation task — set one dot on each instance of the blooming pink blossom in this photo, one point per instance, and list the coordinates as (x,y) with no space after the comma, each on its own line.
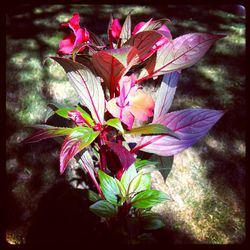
(78,36)
(133,103)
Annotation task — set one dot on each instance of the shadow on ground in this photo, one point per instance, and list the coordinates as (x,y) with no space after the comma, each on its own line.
(63,217)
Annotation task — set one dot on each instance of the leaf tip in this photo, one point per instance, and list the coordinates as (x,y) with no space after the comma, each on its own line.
(219,36)
(62,167)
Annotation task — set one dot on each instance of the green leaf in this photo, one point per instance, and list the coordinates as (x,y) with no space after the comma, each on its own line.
(142,163)
(45,132)
(140,183)
(148,198)
(85,115)
(87,135)
(103,209)
(165,164)
(93,196)
(128,176)
(151,221)
(148,169)
(109,187)
(152,129)
(115,123)
(122,191)
(63,112)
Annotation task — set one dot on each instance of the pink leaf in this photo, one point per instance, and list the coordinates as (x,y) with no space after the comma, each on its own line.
(189,124)
(76,117)
(69,149)
(80,138)
(182,52)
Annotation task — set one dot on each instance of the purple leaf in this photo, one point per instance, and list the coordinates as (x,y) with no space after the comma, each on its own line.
(125,157)
(182,52)
(165,94)
(45,132)
(87,85)
(190,124)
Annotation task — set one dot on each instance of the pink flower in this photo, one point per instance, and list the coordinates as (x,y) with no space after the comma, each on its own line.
(78,36)
(116,29)
(133,102)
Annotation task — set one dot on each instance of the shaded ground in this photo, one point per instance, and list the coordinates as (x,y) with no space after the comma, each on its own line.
(207,182)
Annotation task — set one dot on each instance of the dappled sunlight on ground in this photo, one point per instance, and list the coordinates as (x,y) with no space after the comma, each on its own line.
(196,208)
(207,182)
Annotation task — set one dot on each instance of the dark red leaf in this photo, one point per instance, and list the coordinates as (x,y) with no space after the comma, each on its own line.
(125,157)
(112,64)
(144,42)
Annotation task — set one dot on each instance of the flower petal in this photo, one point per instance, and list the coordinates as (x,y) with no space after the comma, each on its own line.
(116,28)
(81,37)
(142,105)
(74,22)
(66,45)
(123,113)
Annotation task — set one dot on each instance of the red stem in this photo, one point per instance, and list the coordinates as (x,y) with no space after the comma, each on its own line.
(112,83)
(110,40)
(102,160)
(135,149)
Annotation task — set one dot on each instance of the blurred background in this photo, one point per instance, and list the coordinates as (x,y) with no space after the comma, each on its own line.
(207,181)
